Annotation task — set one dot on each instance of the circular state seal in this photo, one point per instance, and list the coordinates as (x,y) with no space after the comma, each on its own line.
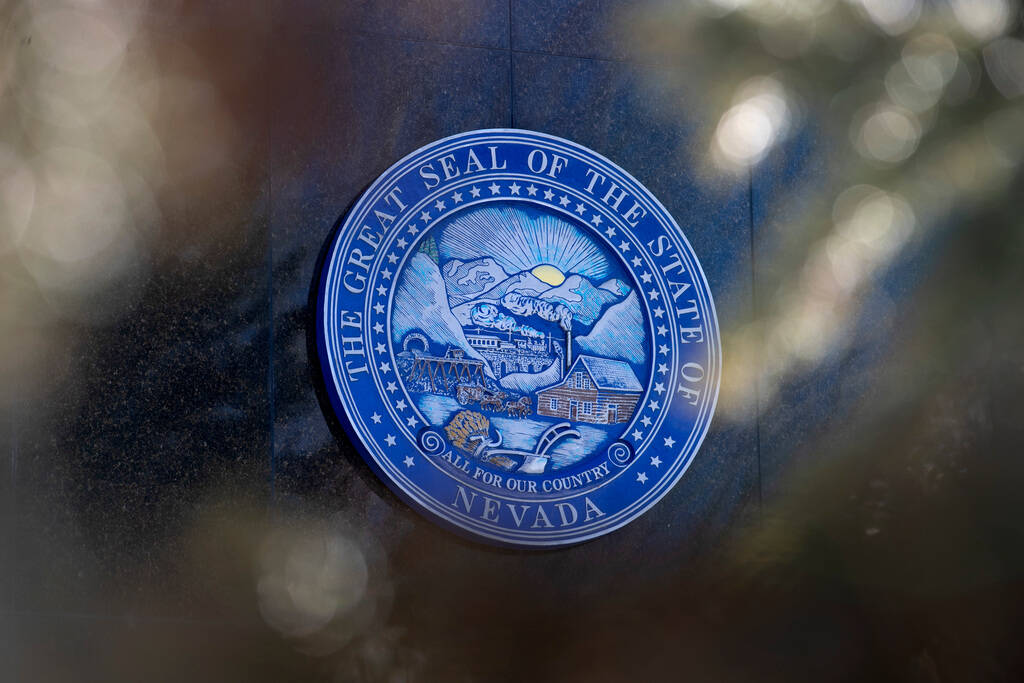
(518,338)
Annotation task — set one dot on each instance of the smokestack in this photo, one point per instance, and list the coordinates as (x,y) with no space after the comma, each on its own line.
(568,348)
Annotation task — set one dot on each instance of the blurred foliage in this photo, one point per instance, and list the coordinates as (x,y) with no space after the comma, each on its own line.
(917,125)
(890,135)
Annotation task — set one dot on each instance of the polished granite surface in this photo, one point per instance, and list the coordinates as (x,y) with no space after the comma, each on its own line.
(153,457)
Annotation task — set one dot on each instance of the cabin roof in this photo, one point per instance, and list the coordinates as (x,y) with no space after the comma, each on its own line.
(608,373)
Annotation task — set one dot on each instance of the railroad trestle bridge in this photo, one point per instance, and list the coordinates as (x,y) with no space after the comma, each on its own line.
(451,370)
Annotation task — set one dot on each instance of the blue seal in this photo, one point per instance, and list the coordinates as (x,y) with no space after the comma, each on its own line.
(518,338)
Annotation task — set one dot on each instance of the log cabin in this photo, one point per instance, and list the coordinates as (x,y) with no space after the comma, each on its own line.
(595,390)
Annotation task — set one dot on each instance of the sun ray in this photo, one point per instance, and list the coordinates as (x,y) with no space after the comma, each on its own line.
(520,240)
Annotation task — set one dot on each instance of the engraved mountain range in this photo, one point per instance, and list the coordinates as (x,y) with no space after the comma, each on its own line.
(484,280)
(439,303)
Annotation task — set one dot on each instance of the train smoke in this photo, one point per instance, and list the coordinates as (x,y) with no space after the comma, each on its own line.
(528,305)
(488,315)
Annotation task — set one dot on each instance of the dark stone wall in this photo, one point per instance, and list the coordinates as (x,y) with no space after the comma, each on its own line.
(151,470)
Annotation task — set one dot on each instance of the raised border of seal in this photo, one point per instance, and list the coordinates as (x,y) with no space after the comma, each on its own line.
(354,296)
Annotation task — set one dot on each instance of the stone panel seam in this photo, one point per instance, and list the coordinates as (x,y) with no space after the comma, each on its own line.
(757,376)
